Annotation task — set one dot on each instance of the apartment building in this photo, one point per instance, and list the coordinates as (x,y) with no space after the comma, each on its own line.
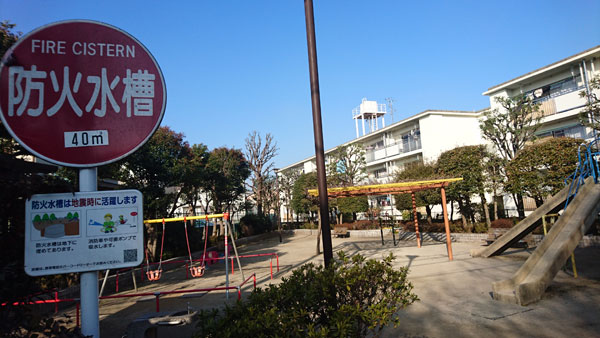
(419,138)
(424,136)
(556,88)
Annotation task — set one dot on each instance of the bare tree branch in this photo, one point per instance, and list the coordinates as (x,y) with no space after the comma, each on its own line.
(260,158)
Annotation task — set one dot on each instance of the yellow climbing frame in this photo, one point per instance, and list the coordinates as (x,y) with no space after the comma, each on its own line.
(179,219)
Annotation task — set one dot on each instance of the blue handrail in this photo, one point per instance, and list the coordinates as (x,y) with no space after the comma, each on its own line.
(587,165)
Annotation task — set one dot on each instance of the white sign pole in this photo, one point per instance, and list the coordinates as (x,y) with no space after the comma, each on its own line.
(88,285)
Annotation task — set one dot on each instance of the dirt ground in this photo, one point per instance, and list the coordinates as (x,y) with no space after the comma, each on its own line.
(455,296)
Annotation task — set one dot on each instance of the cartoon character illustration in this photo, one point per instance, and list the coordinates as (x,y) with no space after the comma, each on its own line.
(109,225)
(122,220)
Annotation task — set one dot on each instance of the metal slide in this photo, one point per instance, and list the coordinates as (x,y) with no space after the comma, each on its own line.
(527,225)
(531,280)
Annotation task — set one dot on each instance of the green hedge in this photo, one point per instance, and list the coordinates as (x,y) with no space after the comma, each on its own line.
(353,297)
(254,224)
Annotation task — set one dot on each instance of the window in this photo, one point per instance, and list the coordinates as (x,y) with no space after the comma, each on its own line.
(574,131)
(379,173)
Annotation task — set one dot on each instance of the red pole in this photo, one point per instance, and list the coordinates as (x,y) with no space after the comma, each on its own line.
(117,283)
(232,265)
(271,264)
(414,205)
(446,225)
(277,256)
(77,314)
(239,294)
(56,304)
(254,277)
(157,295)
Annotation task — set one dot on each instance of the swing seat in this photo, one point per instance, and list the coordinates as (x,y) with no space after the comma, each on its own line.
(154,274)
(197,271)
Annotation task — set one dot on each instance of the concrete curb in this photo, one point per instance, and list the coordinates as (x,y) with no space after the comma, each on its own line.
(587,241)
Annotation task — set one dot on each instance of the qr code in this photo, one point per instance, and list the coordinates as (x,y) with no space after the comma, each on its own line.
(130,255)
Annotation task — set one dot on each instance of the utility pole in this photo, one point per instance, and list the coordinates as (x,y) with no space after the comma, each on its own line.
(318,130)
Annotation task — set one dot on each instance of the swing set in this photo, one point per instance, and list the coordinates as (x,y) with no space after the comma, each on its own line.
(194,270)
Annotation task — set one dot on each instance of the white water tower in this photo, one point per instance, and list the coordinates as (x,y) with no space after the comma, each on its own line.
(370,112)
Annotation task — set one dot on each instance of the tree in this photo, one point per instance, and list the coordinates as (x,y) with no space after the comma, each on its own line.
(426,198)
(8,145)
(154,167)
(157,165)
(347,165)
(467,162)
(351,205)
(302,202)
(7,36)
(540,169)
(259,158)
(271,196)
(286,185)
(227,170)
(195,175)
(590,115)
(510,128)
(495,178)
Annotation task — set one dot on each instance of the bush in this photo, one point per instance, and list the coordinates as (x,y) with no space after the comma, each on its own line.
(350,298)
(252,224)
(29,322)
(480,228)
(502,223)
(309,226)
(406,215)
(362,225)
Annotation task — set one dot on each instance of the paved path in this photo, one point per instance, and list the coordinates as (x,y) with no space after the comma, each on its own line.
(455,298)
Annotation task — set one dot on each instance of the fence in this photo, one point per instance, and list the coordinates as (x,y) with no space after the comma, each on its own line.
(156,294)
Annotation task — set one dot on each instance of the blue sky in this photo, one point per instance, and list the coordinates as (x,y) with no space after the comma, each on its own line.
(232,67)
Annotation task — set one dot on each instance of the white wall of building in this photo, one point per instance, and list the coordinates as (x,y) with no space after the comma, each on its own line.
(444,131)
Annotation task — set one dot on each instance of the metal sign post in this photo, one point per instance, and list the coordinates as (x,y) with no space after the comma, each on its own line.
(88,287)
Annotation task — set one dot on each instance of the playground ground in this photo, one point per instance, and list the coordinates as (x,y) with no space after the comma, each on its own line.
(455,296)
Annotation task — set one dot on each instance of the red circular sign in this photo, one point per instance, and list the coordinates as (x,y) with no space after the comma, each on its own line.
(81,93)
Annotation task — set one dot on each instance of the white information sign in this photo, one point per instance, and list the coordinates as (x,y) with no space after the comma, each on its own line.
(83,231)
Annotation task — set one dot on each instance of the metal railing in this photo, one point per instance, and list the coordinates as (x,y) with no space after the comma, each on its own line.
(400,147)
(156,294)
(587,165)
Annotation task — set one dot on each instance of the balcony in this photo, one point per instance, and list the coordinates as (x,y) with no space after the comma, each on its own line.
(560,101)
(407,145)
